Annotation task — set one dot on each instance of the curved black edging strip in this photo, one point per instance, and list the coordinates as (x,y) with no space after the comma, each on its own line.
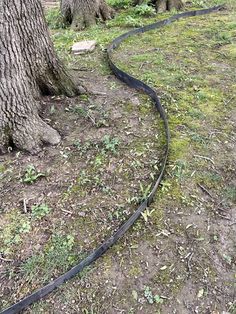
(139,85)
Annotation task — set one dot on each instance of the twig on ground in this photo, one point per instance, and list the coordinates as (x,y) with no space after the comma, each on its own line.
(222,216)
(67,211)
(6,259)
(188,263)
(98,93)
(25,206)
(204,190)
(204,157)
(228,101)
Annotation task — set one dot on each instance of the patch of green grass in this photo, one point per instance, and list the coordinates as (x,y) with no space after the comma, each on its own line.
(230,193)
(210,179)
(196,113)
(180,147)
(58,255)
(17,225)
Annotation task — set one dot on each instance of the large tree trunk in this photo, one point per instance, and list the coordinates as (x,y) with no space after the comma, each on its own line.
(28,68)
(83,13)
(163,5)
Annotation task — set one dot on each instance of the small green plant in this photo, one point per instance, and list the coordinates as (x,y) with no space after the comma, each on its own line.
(40,211)
(150,297)
(165,186)
(228,259)
(24,227)
(144,10)
(79,110)
(133,200)
(31,175)
(119,213)
(83,147)
(110,144)
(138,199)
(145,191)
(179,169)
(147,214)
(199,3)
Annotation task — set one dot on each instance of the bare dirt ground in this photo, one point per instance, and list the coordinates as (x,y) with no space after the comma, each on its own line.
(58,205)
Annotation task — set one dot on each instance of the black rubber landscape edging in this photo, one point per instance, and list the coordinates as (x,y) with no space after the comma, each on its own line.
(138,85)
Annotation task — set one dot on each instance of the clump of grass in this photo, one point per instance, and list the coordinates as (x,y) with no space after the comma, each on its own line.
(57,255)
(17,226)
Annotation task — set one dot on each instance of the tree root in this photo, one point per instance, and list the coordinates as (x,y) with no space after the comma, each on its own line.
(28,134)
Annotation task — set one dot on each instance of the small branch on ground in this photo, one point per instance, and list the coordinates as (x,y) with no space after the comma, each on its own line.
(204,157)
(204,190)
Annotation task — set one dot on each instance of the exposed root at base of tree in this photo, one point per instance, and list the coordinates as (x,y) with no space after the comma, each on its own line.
(28,134)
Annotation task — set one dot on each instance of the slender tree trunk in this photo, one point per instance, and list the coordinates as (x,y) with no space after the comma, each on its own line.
(28,68)
(163,5)
(83,13)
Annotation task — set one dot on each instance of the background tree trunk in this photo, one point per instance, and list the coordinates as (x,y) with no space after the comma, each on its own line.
(83,13)
(163,5)
(28,68)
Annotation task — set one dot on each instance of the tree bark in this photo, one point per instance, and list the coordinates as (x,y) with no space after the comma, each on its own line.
(28,68)
(163,5)
(83,13)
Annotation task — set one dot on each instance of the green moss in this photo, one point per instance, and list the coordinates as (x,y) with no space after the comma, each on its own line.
(179,148)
